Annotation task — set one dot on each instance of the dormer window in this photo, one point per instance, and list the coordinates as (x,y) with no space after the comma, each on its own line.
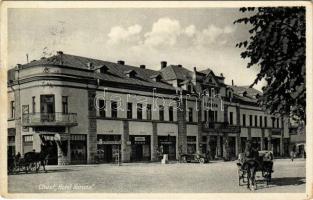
(156,78)
(103,69)
(189,88)
(90,66)
(130,73)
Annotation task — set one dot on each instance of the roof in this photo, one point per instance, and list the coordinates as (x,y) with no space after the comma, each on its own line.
(116,72)
(250,93)
(173,72)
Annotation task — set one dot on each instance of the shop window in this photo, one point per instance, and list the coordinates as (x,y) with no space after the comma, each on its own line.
(129,110)
(139,111)
(191,144)
(114,109)
(78,149)
(27,143)
(171,113)
(149,112)
(161,113)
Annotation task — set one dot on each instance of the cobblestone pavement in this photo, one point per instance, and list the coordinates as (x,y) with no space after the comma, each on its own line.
(212,177)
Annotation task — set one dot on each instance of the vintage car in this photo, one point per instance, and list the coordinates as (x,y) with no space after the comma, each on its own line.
(196,157)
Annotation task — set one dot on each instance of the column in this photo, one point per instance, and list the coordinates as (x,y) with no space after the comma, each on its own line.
(238,144)
(249,133)
(262,139)
(218,145)
(282,144)
(154,142)
(269,139)
(208,147)
(182,126)
(17,118)
(126,148)
(92,128)
(226,147)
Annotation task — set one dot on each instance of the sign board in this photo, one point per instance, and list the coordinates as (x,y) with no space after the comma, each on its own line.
(140,139)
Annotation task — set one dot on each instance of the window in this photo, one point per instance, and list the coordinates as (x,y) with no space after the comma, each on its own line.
(277,122)
(64,104)
(139,111)
(34,104)
(101,107)
(231,120)
(244,120)
(189,88)
(206,113)
(171,113)
(129,110)
(114,109)
(265,121)
(261,121)
(149,112)
(12,109)
(190,114)
(27,138)
(273,122)
(250,120)
(255,121)
(161,113)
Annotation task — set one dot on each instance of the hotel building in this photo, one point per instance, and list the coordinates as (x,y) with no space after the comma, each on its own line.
(96,110)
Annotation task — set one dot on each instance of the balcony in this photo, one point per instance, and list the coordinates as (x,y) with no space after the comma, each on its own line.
(49,119)
(222,127)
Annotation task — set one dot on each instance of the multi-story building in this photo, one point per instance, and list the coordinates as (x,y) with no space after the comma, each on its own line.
(96,109)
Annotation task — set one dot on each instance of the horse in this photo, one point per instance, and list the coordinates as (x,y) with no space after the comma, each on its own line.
(40,158)
(251,165)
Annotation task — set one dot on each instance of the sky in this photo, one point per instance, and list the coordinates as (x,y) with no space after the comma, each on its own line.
(193,37)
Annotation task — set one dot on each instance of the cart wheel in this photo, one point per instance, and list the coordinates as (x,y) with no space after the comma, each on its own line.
(33,166)
(201,160)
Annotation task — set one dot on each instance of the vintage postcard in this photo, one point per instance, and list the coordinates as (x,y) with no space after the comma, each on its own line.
(156,100)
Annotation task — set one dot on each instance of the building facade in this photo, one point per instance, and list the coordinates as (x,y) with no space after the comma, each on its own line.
(93,111)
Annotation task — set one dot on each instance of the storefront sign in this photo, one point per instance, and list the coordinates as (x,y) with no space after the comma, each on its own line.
(140,139)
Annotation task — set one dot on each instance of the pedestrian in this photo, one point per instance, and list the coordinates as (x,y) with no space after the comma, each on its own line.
(292,155)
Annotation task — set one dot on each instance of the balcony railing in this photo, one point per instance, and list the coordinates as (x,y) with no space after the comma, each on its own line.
(220,127)
(50,119)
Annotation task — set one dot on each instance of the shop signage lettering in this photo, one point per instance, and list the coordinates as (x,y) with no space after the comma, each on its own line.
(140,139)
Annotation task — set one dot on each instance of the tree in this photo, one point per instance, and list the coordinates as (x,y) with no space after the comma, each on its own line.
(277,46)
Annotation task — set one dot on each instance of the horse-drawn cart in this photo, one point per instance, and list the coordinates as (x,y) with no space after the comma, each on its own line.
(17,165)
(247,168)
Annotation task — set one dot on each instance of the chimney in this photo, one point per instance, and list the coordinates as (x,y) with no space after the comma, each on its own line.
(232,82)
(121,62)
(195,69)
(27,57)
(163,64)
(222,75)
(59,52)
(142,66)
(179,65)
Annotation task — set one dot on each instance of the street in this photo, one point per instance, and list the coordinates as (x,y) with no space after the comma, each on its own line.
(213,177)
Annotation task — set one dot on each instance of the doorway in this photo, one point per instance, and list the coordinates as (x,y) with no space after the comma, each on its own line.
(47,108)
